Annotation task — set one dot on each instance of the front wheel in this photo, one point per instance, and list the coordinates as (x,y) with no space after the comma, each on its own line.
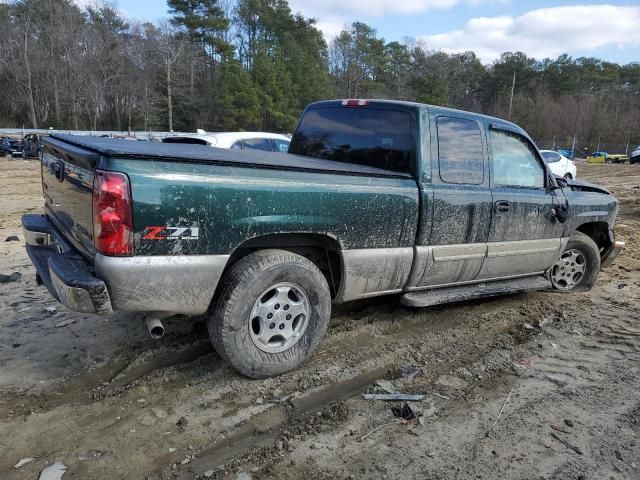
(272,310)
(568,176)
(578,266)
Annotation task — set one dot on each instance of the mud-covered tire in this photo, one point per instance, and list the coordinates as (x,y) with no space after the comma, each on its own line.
(242,286)
(579,242)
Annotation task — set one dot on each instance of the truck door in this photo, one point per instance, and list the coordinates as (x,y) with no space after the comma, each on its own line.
(456,201)
(524,236)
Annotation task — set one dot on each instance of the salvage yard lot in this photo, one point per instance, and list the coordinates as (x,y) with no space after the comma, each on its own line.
(507,381)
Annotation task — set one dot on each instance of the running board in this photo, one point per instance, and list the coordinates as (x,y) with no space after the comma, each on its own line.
(438,296)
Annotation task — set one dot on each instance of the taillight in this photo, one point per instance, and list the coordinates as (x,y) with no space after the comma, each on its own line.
(112,217)
(355,102)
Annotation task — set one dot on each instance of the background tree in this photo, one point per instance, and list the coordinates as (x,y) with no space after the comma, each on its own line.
(253,64)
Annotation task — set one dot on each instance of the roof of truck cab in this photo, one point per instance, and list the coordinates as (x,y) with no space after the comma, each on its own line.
(187,152)
(406,105)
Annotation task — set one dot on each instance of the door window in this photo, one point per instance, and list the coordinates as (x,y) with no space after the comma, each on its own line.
(258,144)
(515,164)
(460,151)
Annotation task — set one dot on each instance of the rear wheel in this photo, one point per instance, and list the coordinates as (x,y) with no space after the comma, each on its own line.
(271,313)
(568,176)
(578,266)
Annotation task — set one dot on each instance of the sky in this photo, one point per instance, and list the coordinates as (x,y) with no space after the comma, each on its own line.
(489,27)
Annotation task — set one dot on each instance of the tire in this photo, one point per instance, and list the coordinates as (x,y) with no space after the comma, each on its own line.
(578,266)
(568,176)
(238,323)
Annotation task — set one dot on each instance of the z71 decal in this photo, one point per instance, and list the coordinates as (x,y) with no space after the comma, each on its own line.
(170,233)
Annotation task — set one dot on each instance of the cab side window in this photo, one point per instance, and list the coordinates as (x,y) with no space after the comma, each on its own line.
(460,155)
(515,164)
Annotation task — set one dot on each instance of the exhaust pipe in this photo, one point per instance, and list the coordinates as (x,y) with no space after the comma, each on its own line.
(155,327)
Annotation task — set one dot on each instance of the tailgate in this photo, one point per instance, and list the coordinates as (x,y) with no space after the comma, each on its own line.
(67,184)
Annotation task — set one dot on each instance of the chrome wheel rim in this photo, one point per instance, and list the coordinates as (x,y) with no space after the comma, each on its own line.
(279,317)
(567,273)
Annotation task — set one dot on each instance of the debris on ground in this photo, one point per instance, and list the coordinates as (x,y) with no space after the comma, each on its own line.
(393,397)
(182,422)
(53,472)
(502,409)
(439,395)
(387,386)
(559,429)
(64,323)
(23,462)
(566,443)
(13,277)
(50,309)
(404,412)
(409,372)
(525,362)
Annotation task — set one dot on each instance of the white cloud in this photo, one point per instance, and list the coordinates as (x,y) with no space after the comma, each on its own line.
(545,32)
(333,15)
(368,7)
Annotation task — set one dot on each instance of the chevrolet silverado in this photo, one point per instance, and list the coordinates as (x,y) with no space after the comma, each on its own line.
(374,197)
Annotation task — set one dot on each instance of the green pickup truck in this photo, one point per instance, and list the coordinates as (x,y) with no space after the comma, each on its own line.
(375,197)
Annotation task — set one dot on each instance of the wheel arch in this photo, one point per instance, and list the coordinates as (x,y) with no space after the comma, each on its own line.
(598,232)
(323,250)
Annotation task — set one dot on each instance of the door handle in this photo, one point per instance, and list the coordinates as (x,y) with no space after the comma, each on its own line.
(502,206)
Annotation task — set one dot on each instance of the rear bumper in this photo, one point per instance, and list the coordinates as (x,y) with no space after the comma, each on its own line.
(174,284)
(66,274)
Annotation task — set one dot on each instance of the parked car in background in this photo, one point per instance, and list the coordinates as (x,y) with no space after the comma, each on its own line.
(11,146)
(559,164)
(268,142)
(31,145)
(604,157)
(567,152)
(597,157)
(635,155)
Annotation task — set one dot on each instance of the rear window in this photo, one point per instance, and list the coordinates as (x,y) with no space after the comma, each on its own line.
(364,136)
(258,144)
(550,157)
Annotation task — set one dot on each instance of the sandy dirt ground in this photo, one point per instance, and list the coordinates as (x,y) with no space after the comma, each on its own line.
(540,385)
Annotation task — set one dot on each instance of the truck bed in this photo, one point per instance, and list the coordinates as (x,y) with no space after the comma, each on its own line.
(119,148)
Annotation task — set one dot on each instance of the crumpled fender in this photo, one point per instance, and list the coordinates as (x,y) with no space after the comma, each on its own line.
(587,187)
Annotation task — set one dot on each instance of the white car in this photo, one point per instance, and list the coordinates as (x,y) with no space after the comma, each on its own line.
(270,142)
(559,164)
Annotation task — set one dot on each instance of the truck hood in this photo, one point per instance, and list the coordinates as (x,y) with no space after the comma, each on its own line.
(577,185)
